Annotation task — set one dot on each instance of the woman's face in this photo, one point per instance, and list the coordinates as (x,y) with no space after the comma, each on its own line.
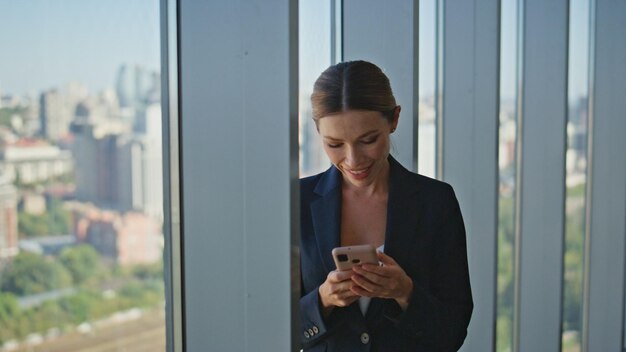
(357,143)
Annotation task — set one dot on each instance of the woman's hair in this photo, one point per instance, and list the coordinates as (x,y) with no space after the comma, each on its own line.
(352,85)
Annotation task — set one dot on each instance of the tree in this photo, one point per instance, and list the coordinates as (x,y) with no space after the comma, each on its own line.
(30,225)
(58,217)
(78,307)
(148,271)
(31,273)
(83,262)
(6,114)
(8,307)
(54,222)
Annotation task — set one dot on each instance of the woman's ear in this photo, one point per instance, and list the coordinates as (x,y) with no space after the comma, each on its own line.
(396,118)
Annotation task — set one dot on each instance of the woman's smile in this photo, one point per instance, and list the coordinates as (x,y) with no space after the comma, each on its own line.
(360,173)
(357,143)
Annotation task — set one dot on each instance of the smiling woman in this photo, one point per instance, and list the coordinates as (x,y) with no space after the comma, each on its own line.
(355,111)
(420,296)
(357,142)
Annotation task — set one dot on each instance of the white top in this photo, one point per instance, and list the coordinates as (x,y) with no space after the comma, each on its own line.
(364,302)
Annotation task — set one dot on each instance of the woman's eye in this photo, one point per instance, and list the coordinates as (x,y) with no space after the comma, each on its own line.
(334,145)
(369,141)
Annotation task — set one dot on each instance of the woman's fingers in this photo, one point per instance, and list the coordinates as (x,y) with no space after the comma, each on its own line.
(347,301)
(336,290)
(339,276)
(358,290)
(342,288)
(368,285)
(385,259)
(344,297)
(379,281)
(376,276)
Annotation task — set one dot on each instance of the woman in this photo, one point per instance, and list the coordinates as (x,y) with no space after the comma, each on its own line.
(419,299)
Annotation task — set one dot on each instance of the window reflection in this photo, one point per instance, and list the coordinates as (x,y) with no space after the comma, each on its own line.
(316,53)
(427,72)
(508,120)
(576,171)
(81,242)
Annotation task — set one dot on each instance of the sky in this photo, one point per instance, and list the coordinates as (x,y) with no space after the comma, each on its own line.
(46,44)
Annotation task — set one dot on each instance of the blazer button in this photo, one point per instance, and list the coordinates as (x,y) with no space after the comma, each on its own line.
(310,331)
(365,338)
(306,334)
(315,329)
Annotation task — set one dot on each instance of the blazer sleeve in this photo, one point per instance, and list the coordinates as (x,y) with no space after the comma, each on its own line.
(312,323)
(314,327)
(439,316)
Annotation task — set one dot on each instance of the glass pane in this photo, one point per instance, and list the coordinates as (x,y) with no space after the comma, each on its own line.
(81,242)
(507,174)
(576,171)
(427,72)
(316,54)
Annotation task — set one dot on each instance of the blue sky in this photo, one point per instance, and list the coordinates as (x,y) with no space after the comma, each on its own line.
(46,43)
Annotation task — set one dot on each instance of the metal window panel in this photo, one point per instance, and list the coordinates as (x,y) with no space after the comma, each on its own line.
(541,182)
(171,179)
(336,31)
(383,32)
(606,221)
(239,119)
(469,146)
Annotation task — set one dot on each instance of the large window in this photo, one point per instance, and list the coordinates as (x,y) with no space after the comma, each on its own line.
(81,239)
(319,47)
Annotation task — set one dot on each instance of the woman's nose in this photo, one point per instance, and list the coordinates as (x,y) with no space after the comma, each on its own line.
(353,157)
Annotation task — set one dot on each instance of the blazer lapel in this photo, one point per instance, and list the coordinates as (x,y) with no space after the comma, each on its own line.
(402,212)
(402,221)
(326,214)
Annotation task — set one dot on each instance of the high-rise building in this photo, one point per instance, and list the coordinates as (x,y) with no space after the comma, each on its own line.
(136,85)
(8,218)
(96,155)
(84,150)
(31,116)
(53,115)
(142,164)
(153,162)
(121,171)
(126,86)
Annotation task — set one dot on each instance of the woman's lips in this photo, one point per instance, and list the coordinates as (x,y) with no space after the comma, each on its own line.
(359,174)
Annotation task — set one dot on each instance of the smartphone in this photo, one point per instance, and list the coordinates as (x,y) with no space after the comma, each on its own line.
(347,257)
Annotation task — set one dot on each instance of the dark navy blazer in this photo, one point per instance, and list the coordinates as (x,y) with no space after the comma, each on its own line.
(424,234)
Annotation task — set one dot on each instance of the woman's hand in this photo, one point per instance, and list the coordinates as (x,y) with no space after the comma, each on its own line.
(387,281)
(336,291)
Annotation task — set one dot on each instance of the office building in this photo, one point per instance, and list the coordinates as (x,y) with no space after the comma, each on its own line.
(8,219)
(29,161)
(54,116)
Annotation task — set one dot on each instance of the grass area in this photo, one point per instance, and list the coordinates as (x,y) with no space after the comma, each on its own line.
(142,331)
